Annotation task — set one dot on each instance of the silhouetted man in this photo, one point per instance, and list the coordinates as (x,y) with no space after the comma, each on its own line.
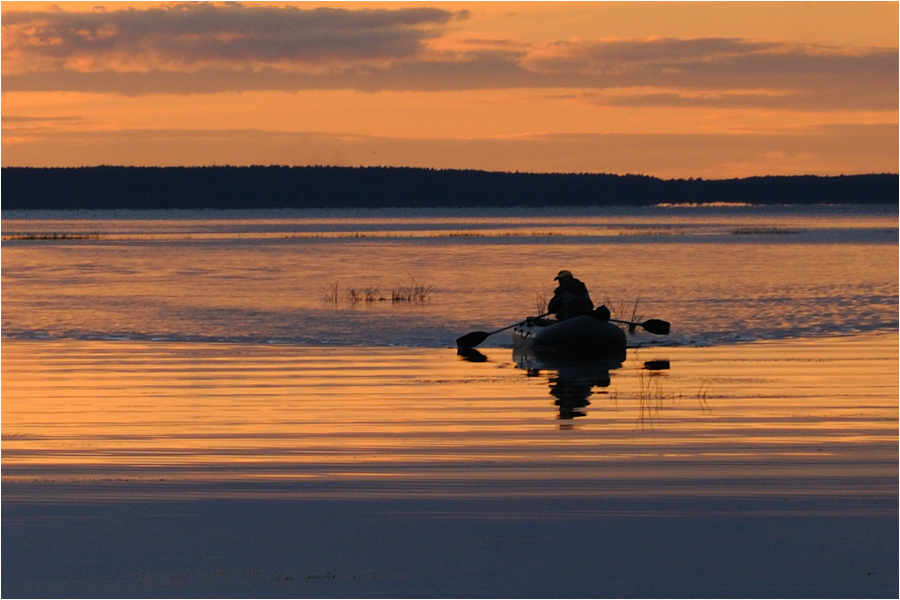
(570,298)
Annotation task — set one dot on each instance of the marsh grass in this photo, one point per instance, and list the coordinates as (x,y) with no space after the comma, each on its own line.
(333,294)
(414,292)
(52,236)
(650,397)
(367,295)
(626,311)
(703,393)
(420,234)
(618,310)
(353,295)
(542,299)
(766,231)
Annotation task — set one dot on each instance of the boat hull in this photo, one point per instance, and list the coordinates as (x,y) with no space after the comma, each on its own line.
(584,334)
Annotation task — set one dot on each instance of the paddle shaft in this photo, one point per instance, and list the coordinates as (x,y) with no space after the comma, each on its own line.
(470,340)
(656,326)
(519,323)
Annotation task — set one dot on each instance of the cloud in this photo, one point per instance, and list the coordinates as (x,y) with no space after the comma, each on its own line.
(727,72)
(19,119)
(195,35)
(799,99)
(209,48)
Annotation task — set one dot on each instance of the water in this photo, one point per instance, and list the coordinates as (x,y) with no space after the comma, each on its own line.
(193,405)
(720,274)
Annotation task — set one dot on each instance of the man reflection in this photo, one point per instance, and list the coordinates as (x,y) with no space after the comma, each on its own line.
(572,380)
(572,386)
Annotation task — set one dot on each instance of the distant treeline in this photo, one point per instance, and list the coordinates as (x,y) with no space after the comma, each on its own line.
(375,187)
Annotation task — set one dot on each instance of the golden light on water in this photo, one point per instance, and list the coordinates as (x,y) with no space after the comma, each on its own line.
(760,419)
(203,356)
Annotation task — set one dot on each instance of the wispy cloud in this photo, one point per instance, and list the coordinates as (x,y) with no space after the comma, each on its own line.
(13,119)
(203,48)
(192,36)
(208,48)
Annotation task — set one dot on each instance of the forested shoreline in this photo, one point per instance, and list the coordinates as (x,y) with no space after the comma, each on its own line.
(226,187)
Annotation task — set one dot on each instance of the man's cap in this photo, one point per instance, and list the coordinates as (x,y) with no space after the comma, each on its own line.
(563,274)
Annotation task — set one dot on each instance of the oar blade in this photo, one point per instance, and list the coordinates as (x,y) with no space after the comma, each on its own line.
(657,326)
(470,340)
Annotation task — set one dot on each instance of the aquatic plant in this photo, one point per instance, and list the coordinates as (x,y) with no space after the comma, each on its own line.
(353,295)
(368,294)
(332,295)
(415,292)
(625,308)
(417,234)
(635,316)
(54,236)
(766,230)
(650,396)
(703,392)
(542,299)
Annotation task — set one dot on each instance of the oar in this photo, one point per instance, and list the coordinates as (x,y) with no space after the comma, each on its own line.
(656,326)
(470,340)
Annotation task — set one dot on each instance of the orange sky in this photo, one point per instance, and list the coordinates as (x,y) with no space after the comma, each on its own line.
(668,89)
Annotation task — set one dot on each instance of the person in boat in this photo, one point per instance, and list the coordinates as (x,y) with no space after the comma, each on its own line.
(570,298)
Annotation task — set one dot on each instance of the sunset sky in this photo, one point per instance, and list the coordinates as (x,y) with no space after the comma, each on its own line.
(668,89)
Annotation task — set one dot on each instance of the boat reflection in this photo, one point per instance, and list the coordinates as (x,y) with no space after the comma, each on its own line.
(471,355)
(572,379)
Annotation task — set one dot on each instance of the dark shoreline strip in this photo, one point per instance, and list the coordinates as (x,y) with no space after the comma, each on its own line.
(257,187)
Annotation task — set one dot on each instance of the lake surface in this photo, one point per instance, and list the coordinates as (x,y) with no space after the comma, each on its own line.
(337,317)
(195,358)
(764,420)
(720,275)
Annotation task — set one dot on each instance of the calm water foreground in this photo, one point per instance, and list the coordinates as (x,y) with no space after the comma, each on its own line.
(189,410)
(157,469)
(772,420)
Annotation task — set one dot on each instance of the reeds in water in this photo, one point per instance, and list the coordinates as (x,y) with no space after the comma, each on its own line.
(764,230)
(51,236)
(414,292)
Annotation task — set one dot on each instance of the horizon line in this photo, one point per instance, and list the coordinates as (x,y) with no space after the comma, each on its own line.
(450,170)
